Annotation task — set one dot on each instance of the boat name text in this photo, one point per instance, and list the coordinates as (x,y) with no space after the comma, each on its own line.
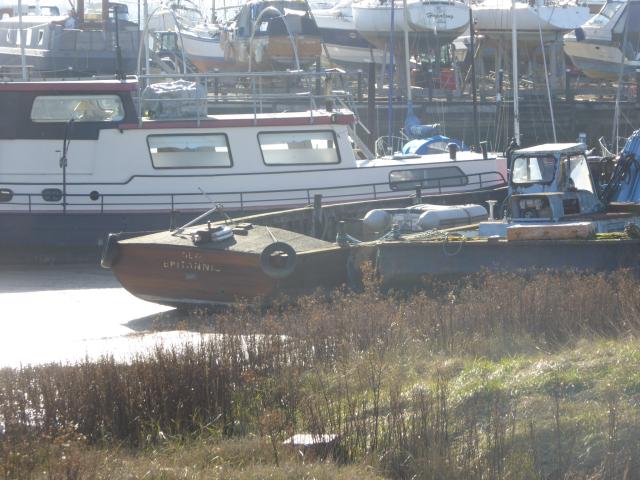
(189,261)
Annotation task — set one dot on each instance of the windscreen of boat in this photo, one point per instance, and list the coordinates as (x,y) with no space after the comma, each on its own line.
(629,21)
(579,175)
(80,108)
(606,14)
(534,169)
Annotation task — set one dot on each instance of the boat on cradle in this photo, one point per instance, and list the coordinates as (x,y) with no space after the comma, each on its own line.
(272,35)
(595,47)
(130,166)
(429,23)
(52,49)
(552,18)
(343,43)
(178,29)
(555,208)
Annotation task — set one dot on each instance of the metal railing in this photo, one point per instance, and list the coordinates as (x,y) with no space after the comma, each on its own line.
(255,199)
(257,90)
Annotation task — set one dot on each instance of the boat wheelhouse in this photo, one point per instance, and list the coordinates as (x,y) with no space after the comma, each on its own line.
(82,158)
(54,49)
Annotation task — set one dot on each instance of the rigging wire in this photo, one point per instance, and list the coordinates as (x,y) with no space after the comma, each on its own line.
(546,79)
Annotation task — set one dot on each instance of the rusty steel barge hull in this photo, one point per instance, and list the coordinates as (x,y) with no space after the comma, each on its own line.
(407,262)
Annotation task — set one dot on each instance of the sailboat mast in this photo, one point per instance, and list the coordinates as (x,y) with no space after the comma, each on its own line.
(407,68)
(514,73)
(390,89)
(23,60)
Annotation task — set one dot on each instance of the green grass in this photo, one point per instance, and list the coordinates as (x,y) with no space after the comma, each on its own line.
(503,377)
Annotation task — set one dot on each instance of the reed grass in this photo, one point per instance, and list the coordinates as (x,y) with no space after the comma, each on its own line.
(499,376)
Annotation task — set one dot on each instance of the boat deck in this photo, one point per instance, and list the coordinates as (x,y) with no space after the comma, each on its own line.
(255,241)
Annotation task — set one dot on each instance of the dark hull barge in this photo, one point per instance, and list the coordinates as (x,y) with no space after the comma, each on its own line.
(407,263)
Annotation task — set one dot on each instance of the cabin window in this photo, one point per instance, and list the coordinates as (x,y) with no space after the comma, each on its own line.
(189,151)
(435,177)
(606,14)
(579,175)
(299,148)
(534,169)
(80,108)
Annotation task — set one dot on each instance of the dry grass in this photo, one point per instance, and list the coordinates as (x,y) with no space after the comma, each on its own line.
(502,376)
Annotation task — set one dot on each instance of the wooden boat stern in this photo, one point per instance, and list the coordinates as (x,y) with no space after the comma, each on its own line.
(253,264)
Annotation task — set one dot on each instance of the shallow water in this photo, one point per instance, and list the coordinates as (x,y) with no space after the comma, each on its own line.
(72,312)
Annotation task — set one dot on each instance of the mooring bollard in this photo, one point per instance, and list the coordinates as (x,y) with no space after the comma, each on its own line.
(317,215)
(484,148)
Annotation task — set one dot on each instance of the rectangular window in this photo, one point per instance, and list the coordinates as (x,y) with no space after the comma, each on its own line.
(534,169)
(189,151)
(299,148)
(80,108)
(580,176)
(435,177)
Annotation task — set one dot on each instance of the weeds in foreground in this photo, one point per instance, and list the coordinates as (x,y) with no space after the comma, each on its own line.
(487,379)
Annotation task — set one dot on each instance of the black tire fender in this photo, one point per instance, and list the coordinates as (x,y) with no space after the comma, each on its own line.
(286,260)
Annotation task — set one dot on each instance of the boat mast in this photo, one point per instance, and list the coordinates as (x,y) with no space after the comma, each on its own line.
(390,75)
(23,60)
(514,73)
(472,34)
(145,36)
(616,115)
(407,69)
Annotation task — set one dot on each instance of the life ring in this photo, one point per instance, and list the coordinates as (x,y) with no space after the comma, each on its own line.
(278,260)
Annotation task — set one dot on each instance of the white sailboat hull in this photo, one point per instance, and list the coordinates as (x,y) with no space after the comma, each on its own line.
(494,20)
(598,60)
(205,53)
(343,43)
(441,21)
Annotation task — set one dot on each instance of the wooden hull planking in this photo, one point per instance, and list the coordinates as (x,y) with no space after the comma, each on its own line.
(178,274)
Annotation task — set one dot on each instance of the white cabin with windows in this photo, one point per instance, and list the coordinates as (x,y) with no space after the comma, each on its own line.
(119,165)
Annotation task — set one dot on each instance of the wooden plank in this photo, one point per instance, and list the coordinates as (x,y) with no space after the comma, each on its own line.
(552,231)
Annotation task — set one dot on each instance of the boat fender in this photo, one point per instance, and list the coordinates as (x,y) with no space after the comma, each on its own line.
(111,251)
(377,220)
(278,260)
(334,118)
